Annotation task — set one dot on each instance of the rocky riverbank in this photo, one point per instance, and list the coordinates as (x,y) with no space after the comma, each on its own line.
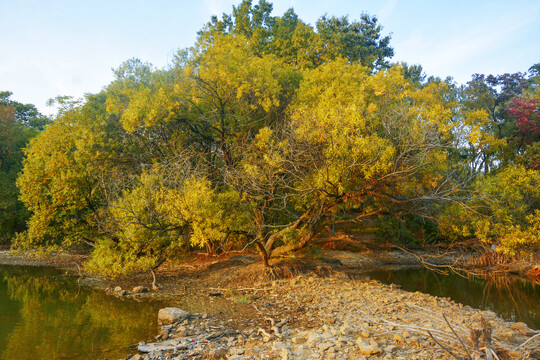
(336,317)
(321,308)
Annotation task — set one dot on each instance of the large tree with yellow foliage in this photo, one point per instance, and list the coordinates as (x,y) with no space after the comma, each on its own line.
(262,134)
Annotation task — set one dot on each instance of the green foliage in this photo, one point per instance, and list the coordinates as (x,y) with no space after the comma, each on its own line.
(410,229)
(357,41)
(299,44)
(18,124)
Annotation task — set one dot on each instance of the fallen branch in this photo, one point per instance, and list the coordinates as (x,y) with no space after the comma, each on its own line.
(444,348)
(522,345)
(462,344)
(486,332)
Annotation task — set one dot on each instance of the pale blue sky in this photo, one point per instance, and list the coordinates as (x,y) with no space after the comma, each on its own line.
(68,47)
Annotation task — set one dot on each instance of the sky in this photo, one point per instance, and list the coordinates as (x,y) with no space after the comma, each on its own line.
(69,47)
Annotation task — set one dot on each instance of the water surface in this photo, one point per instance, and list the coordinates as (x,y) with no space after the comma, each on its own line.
(514,299)
(46,315)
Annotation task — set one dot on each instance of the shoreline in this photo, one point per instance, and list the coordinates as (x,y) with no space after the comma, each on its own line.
(324,311)
(314,316)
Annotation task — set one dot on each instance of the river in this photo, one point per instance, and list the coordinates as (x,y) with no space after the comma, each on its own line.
(47,315)
(512,298)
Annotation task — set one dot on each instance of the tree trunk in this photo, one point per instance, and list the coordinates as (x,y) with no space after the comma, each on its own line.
(300,244)
(264,254)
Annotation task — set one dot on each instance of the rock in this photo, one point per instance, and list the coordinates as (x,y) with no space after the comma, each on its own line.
(346,329)
(367,348)
(364,334)
(405,334)
(325,346)
(117,289)
(166,330)
(236,357)
(252,353)
(181,331)
(327,335)
(398,339)
(285,354)
(298,340)
(140,289)
(216,354)
(172,315)
(523,329)
(122,292)
(414,341)
(237,351)
(506,334)
(135,357)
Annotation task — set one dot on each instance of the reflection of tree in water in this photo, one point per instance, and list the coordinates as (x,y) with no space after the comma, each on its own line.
(513,298)
(58,320)
(514,293)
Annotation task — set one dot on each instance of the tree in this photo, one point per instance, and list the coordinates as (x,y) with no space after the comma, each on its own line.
(356,144)
(357,41)
(493,95)
(299,44)
(70,171)
(18,124)
(268,131)
(526,113)
(414,73)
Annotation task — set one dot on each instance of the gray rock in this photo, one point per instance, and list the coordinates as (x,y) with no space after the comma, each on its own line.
(181,331)
(325,345)
(367,348)
(220,353)
(172,315)
(117,289)
(166,330)
(236,357)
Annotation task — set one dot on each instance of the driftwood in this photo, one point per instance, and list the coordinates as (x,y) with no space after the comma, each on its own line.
(169,345)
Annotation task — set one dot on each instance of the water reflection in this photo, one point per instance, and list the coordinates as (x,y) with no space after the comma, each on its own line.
(46,316)
(514,299)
